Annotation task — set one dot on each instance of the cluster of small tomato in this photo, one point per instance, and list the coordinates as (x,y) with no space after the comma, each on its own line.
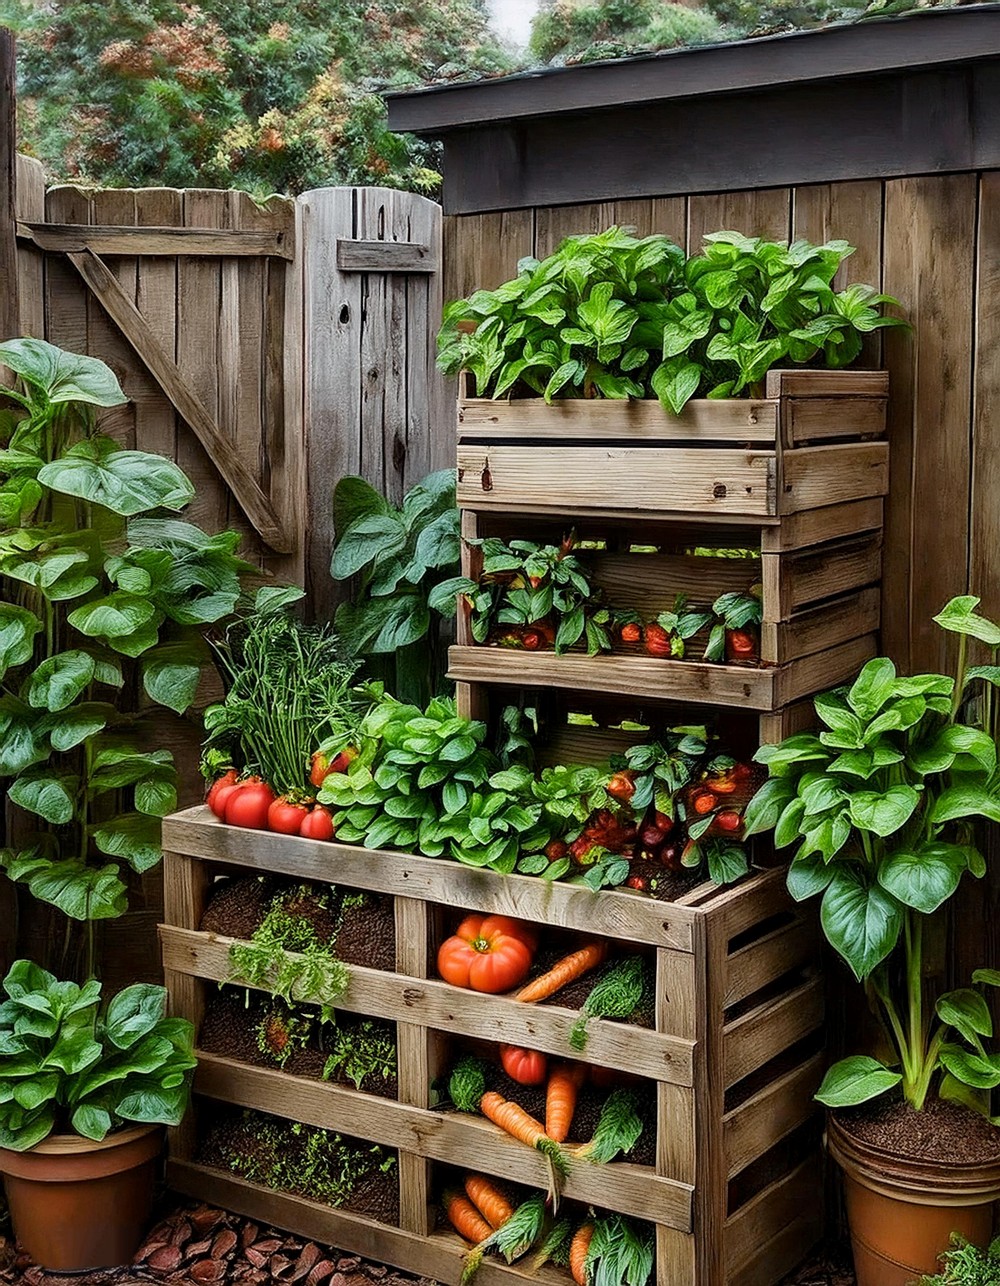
(742,645)
(251,803)
(657,837)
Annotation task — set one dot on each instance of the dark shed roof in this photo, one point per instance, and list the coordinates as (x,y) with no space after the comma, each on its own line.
(923,97)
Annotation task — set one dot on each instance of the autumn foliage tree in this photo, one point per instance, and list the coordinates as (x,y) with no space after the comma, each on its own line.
(266,95)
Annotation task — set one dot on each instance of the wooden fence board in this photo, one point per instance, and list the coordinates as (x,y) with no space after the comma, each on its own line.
(9,285)
(30,204)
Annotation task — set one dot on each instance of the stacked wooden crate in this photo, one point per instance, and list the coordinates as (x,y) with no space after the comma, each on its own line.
(735,1192)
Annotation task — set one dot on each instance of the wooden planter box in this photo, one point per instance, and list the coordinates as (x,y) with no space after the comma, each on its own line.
(734,1195)
(810,443)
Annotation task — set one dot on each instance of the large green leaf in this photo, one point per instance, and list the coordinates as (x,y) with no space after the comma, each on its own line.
(62,376)
(367,539)
(22,736)
(91,1121)
(59,680)
(354,498)
(883,812)
(862,922)
(856,1080)
(80,891)
(114,617)
(172,672)
(967,1012)
(75,725)
(18,628)
(960,617)
(872,688)
(50,794)
(925,876)
(965,801)
(808,876)
(126,482)
(133,1013)
(982,1073)
(134,837)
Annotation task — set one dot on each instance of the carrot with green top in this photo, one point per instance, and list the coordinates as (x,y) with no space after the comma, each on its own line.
(563,972)
(578,1250)
(514,1238)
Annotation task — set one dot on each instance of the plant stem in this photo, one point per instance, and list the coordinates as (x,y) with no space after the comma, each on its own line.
(915,1076)
(956,700)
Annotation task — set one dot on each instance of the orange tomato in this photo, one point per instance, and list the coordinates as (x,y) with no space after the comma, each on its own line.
(490,953)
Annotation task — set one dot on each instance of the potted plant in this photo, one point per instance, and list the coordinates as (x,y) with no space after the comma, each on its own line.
(881,804)
(85,1091)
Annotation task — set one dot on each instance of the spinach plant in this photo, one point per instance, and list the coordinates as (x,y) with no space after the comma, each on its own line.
(396,556)
(67,1063)
(610,316)
(880,805)
(100,591)
(966,1265)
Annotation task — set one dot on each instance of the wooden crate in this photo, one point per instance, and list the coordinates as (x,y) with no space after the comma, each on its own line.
(820,598)
(734,1195)
(810,443)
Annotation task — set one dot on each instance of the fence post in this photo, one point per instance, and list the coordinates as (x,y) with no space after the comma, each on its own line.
(9,311)
(374,404)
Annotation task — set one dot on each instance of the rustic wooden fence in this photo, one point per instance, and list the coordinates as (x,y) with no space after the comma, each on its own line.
(268,348)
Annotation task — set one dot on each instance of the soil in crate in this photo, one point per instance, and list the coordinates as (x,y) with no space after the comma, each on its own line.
(358,928)
(351,1051)
(575,994)
(353,1175)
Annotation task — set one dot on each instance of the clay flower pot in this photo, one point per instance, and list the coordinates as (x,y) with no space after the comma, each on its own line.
(78,1205)
(902,1212)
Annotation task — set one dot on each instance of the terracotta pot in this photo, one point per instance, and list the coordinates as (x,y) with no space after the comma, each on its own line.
(902,1212)
(76,1204)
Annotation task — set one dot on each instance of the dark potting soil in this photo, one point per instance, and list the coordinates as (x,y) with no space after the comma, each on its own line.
(941,1132)
(292,1158)
(232,1029)
(238,905)
(575,993)
(662,884)
(367,933)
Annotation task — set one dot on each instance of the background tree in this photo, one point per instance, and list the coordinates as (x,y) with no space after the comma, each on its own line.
(266,95)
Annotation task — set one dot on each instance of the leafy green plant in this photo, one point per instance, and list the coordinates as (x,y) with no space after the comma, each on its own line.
(617,995)
(620,1252)
(289,689)
(734,611)
(398,557)
(286,956)
(967,1265)
(100,593)
(610,316)
(513,1239)
(69,1064)
(530,595)
(564,32)
(881,806)
(363,1052)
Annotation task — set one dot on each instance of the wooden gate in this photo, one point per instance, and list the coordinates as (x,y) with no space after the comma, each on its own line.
(267,348)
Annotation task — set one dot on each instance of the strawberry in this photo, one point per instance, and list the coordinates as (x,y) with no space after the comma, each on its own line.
(742,646)
(531,640)
(631,632)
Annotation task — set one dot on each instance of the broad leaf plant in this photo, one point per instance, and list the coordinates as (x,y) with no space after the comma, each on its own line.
(881,807)
(102,590)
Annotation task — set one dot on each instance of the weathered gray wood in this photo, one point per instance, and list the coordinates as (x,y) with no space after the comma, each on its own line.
(137,331)
(30,203)
(374,403)
(385,256)
(108,239)
(9,288)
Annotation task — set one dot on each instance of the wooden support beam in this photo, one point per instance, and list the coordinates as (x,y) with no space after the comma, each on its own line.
(148,241)
(10,323)
(137,331)
(384,256)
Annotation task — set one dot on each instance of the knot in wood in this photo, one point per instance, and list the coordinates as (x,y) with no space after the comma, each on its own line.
(719,491)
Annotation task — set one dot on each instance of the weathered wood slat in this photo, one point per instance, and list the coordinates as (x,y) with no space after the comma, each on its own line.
(825,384)
(354,255)
(753,967)
(832,522)
(721,483)
(753,1039)
(792,582)
(119,239)
(429,1002)
(136,330)
(452,1137)
(765,1118)
(821,627)
(828,475)
(10,324)
(768,1213)
(481,419)
(612,914)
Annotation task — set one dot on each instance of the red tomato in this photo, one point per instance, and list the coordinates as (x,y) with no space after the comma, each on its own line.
(317,824)
(728,821)
(217,786)
(285,817)
(526,1066)
(491,953)
(319,770)
(248,806)
(322,766)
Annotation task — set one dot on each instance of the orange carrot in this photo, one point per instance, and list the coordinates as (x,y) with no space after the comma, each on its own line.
(488,1200)
(512,1118)
(465,1218)
(578,1248)
(560,1099)
(564,971)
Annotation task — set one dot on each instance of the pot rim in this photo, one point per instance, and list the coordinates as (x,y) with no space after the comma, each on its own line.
(926,1181)
(74,1144)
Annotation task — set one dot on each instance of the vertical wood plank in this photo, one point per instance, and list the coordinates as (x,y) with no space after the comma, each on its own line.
(553,223)
(30,207)
(847,212)
(430,399)
(9,287)
(482,250)
(283,392)
(679,1011)
(116,206)
(156,299)
(414,1064)
(763,212)
(929,266)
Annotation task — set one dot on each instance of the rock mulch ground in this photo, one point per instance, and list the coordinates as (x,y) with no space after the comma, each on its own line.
(198,1244)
